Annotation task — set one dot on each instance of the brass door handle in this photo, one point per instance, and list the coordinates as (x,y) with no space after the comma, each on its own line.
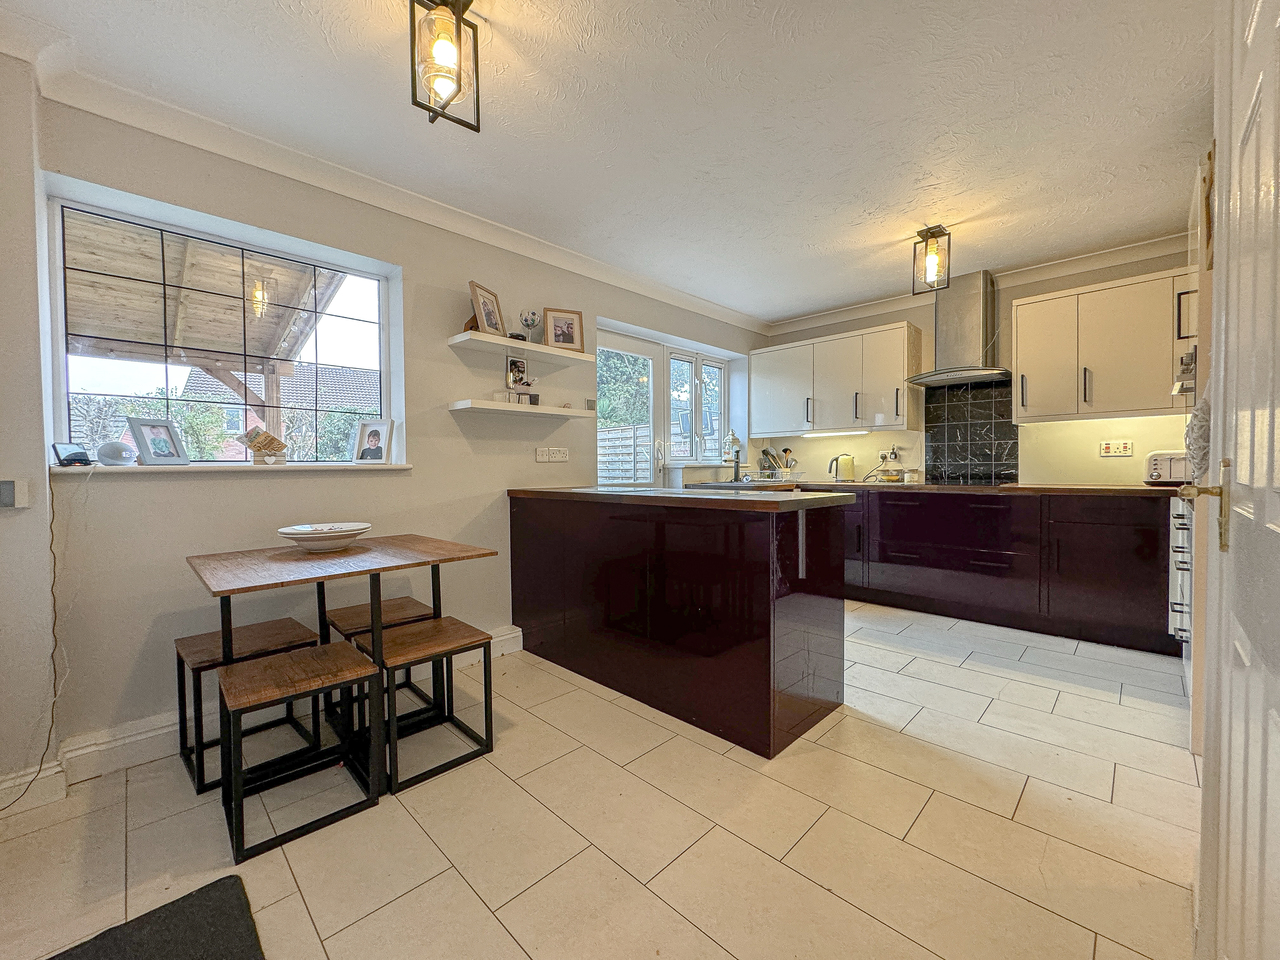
(1223,492)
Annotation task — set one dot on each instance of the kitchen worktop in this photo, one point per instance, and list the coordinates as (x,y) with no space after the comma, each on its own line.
(1026,489)
(754,501)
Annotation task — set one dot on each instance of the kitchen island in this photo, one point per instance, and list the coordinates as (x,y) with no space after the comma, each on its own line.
(712,606)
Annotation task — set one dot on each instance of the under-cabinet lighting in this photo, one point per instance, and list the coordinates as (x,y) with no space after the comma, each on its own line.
(837,433)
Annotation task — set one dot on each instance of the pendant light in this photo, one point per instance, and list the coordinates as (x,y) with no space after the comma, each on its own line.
(931,259)
(445,57)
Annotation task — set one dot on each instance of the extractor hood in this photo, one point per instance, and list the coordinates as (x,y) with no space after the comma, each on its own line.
(964,337)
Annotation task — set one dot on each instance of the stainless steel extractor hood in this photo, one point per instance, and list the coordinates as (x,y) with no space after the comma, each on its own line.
(964,338)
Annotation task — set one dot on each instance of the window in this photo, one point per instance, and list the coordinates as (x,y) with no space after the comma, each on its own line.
(624,413)
(217,337)
(697,407)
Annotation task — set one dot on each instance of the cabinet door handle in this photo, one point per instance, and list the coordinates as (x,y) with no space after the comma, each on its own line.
(1057,553)
(904,556)
(903,503)
(896,392)
(1177,607)
(1084,384)
(1183,565)
(858,548)
(808,412)
(990,506)
(1024,391)
(991,563)
(855,405)
(1182,525)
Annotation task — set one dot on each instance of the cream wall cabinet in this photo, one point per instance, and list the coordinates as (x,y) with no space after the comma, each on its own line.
(1101,351)
(849,382)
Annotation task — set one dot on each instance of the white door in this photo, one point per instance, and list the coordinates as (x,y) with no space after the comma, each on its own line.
(1045,383)
(837,384)
(1239,896)
(781,388)
(884,366)
(1125,342)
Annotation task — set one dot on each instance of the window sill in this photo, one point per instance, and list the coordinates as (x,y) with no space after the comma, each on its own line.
(205,469)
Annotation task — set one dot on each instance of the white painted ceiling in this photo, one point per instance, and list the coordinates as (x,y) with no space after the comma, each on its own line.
(773,158)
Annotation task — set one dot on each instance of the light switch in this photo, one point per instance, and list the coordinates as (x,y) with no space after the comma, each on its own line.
(1115,448)
(543,455)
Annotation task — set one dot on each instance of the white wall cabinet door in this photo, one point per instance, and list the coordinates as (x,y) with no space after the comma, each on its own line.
(838,395)
(1046,374)
(781,387)
(1126,339)
(884,400)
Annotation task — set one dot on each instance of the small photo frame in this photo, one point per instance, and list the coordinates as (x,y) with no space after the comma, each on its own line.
(158,442)
(488,312)
(373,441)
(517,373)
(563,328)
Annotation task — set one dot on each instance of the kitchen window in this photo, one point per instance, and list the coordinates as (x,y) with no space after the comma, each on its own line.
(697,408)
(217,336)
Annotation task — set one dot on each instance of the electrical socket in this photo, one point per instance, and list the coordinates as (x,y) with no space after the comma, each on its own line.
(543,455)
(1115,448)
(888,455)
(559,454)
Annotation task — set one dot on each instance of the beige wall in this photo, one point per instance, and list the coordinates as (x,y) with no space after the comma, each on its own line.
(25,561)
(1068,452)
(124,589)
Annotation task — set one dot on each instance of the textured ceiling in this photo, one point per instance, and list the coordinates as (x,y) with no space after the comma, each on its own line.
(769,157)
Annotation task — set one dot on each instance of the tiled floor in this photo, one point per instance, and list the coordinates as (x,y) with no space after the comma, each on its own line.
(984,793)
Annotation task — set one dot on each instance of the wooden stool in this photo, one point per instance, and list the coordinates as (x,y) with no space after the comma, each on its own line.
(355,620)
(203,652)
(282,679)
(432,641)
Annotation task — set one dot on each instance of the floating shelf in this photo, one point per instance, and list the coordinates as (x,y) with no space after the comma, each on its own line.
(489,343)
(521,409)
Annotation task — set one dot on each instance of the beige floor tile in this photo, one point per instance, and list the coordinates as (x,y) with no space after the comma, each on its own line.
(936,904)
(344,793)
(521,682)
(1168,800)
(823,726)
(1135,909)
(762,811)
(886,619)
(1137,752)
(1110,950)
(758,909)
(870,647)
(956,639)
(987,785)
(83,797)
(983,684)
(499,837)
(1142,842)
(861,790)
(1029,695)
(67,946)
(1133,658)
(605,727)
(1041,676)
(441,918)
(173,856)
(634,823)
(1140,676)
(877,708)
(1169,704)
(521,741)
(1011,635)
(958,703)
(349,869)
(1067,768)
(62,883)
(435,745)
(309,786)
(162,788)
(286,932)
(583,683)
(1115,716)
(686,730)
(591,909)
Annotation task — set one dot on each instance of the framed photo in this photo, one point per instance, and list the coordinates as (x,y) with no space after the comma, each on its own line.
(158,442)
(488,313)
(517,373)
(373,441)
(563,328)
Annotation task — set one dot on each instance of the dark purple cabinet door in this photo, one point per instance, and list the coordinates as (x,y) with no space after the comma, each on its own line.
(1000,523)
(985,578)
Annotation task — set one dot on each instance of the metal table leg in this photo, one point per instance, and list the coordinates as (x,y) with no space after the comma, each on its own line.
(377,698)
(224,744)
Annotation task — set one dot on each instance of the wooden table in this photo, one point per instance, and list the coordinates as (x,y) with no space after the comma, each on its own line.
(248,571)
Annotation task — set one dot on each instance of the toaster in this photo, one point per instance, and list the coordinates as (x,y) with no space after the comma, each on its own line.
(1167,468)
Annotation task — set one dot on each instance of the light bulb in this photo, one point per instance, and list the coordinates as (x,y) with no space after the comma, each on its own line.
(443,87)
(931,262)
(444,52)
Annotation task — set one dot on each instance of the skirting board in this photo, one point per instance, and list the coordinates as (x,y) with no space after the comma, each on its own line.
(89,755)
(49,787)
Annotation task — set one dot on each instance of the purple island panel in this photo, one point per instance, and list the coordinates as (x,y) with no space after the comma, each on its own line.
(706,614)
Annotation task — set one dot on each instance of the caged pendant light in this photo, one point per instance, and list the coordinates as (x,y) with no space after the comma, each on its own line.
(931,260)
(445,55)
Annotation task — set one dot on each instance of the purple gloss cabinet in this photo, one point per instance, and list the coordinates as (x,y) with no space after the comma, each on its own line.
(701,613)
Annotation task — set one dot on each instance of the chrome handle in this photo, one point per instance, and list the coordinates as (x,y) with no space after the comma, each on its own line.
(1177,607)
(896,391)
(1183,565)
(855,405)
(1024,391)
(1084,384)
(808,413)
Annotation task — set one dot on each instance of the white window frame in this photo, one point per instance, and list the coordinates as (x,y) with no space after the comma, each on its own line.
(701,454)
(656,353)
(67,192)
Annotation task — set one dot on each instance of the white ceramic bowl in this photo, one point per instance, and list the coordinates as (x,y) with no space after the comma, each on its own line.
(324,537)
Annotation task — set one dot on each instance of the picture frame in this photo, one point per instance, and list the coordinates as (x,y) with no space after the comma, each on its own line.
(488,311)
(158,441)
(517,373)
(377,451)
(563,329)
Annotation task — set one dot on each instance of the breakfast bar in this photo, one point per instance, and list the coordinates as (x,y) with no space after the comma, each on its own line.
(714,607)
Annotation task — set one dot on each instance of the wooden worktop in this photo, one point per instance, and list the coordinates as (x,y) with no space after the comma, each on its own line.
(753,501)
(1029,489)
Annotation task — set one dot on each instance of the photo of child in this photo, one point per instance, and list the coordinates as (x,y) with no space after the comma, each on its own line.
(160,442)
(371,442)
(372,446)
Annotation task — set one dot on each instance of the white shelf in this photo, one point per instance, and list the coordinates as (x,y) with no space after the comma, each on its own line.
(489,343)
(521,409)
(187,469)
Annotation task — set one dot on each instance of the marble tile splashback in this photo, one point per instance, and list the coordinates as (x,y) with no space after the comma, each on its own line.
(970,437)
